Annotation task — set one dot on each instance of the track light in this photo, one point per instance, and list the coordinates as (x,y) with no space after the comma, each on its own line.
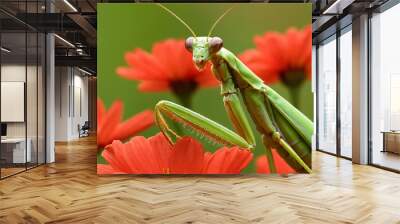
(84,71)
(65,41)
(5,50)
(337,7)
(70,5)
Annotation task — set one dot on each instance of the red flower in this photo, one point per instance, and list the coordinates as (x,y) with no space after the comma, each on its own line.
(168,67)
(281,166)
(281,56)
(156,156)
(111,128)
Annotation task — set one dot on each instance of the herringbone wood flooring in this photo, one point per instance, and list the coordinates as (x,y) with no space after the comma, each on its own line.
(69,191)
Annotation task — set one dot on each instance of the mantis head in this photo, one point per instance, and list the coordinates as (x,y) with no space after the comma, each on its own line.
(203,48)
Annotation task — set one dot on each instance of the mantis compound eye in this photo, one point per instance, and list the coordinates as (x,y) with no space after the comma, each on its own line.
(189,43)
(215,44)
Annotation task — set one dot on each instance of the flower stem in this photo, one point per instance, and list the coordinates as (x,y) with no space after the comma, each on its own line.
(185,99)
(294,92)
(184,90)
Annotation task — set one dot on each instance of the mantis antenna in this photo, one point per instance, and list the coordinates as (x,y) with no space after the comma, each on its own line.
(219,19)
(178,18)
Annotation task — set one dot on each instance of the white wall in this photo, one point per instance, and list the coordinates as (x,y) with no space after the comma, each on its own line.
(33,127)
(61,103)
(16,73)
(71,102)
(81,103)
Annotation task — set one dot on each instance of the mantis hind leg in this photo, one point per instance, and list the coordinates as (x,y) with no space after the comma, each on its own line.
(260,111)
(276,131)
(268,143)
(295,141)
(287,152)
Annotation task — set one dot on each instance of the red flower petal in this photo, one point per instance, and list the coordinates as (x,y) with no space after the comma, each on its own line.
(228,161)
(253,59)
(281,166)
(112,117)
(156,156)
(133,74)
(110,127)
(144,157)
(167,52)
(279,53)
(161,145)
(168,62)
(135,124)
(146,63)
(273,47)
(107,169)
(140,155)
(101,110)
(153,86)
(114,154)
(135,157)
(187,157)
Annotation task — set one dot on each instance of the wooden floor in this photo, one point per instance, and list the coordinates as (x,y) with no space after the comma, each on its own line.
(387,159)
(69,191)
(10,171)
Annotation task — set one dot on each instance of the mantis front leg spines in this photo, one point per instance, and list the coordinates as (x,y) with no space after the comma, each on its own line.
(279,123)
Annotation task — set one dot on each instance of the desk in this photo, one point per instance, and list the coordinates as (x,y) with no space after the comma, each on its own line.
(15,148)
(391,141)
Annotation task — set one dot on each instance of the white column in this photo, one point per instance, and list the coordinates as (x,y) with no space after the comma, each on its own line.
(50,100)
(360,90)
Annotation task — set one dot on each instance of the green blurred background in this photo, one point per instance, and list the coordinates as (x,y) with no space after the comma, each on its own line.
(124,27)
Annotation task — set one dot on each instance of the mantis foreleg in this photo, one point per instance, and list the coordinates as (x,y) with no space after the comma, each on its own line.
(232,102)
(197,122)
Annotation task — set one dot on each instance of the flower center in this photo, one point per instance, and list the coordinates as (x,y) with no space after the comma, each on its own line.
(182,87)
(293,78)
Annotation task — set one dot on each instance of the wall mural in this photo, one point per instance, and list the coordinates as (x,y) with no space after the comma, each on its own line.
(204,88)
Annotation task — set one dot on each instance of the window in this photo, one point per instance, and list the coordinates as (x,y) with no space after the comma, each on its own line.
(346,92)
(327,95)
(22,77)
(385,89)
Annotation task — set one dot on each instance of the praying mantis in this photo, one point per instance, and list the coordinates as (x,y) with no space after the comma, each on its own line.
(281,125)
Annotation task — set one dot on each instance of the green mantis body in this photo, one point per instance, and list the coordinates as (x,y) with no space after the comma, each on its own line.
(280,124)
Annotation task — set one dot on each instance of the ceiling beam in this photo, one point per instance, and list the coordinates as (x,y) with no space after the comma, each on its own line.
(80,61)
